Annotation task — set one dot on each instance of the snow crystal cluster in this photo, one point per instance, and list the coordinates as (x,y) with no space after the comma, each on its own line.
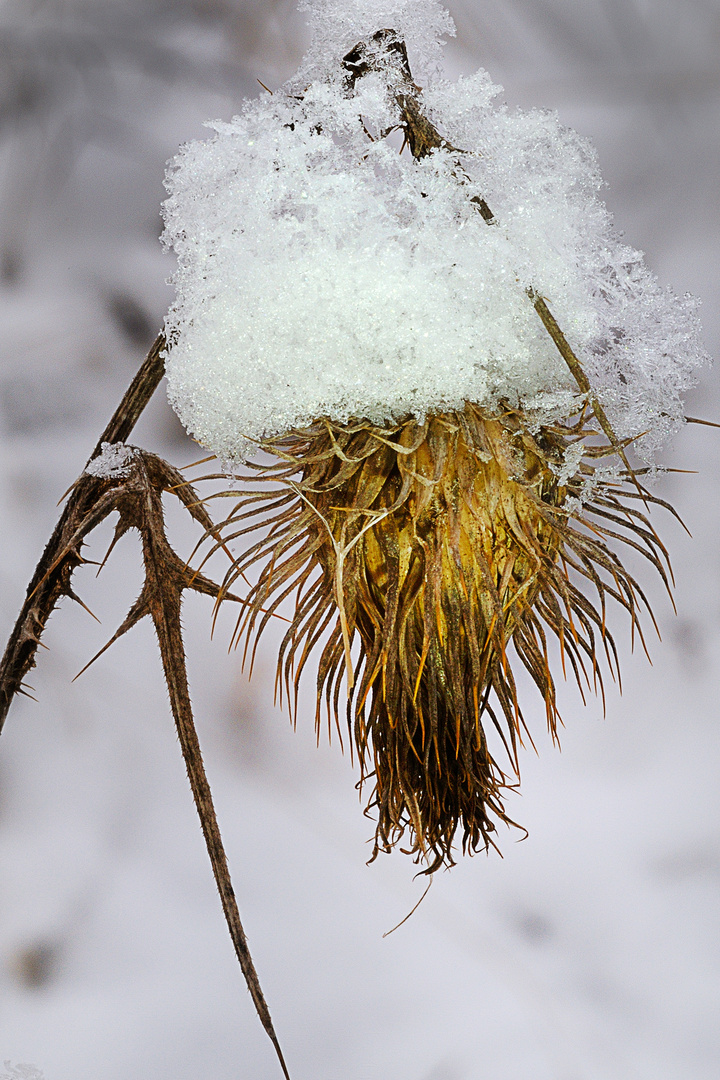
(112,463)
(323,273)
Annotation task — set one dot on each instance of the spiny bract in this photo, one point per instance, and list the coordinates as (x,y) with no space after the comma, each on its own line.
(425,558)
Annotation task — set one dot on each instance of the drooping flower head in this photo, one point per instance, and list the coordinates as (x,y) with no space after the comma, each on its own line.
(447,353)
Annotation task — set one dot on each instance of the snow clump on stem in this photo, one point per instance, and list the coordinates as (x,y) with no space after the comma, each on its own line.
(322,273)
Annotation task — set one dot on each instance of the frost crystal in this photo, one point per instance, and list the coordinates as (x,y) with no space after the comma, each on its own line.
(322,273)
(113,461)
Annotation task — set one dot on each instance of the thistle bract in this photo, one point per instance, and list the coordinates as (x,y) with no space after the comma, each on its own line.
(447,352)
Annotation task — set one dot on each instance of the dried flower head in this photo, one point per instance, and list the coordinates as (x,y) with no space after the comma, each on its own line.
(426,560)
(446,354)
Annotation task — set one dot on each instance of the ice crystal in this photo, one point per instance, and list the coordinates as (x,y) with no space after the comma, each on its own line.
(113,461)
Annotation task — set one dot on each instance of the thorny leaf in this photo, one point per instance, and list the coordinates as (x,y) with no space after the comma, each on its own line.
(51,579)
(136,496)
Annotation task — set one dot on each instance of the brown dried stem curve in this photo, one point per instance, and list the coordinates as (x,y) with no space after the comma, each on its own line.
(51,579)
(136,496)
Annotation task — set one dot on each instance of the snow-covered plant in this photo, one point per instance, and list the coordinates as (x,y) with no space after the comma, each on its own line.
(446,351)
(437,379)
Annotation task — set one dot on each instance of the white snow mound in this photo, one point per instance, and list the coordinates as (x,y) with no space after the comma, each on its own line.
(322,273)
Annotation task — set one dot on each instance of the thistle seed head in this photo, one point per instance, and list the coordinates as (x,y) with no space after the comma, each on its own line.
(427,559)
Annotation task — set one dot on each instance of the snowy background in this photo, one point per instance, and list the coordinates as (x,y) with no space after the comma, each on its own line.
(592,950)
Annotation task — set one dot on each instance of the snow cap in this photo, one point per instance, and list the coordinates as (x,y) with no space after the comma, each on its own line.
(323,273)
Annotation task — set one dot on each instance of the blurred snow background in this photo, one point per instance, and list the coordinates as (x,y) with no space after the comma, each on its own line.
(592,950)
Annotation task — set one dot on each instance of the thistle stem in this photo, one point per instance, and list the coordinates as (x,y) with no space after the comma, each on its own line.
(136,397)
(164,600)
(53,572)
(137,497)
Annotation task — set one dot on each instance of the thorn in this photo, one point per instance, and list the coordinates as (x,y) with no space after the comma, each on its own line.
(28,635)
(79,556)
(706,423)
(74,596)
(137,612)
(64,496)
(210,457)
(412,910)
(25,694)
(120,530)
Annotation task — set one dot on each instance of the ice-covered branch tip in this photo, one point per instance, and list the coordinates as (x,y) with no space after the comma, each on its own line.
(321,273)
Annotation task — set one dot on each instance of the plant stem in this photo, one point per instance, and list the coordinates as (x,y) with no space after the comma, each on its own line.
(51,579)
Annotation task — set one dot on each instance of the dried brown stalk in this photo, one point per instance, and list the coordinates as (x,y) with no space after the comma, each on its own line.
(51,579)
(136,495)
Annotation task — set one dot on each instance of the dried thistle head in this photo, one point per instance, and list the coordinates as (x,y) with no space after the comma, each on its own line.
(323,275)
(427,560)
